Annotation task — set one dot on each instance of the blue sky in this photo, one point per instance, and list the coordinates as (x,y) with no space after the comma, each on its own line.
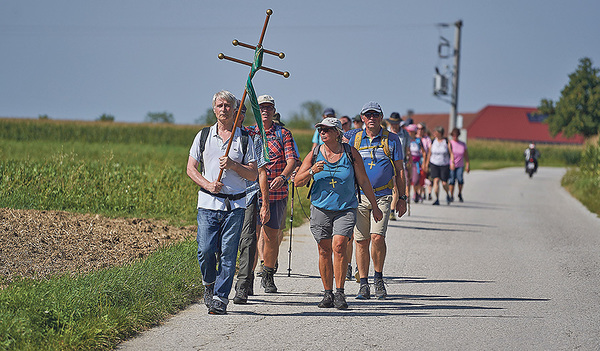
(80,59)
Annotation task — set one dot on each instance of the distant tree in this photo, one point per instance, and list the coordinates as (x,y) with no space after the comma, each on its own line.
(43,117)
(207,118)
(578,109)
(310,113)
(160,117)
(106,118)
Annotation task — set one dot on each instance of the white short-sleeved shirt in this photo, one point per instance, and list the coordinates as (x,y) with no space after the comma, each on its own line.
(215,147)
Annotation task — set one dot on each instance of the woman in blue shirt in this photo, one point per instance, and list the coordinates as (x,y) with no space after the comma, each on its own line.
(333,204)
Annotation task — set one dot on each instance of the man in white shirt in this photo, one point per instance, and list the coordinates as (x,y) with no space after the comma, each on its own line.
(221,204)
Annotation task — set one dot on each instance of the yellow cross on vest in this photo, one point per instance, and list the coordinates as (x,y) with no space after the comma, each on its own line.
(332,182)
(371,164)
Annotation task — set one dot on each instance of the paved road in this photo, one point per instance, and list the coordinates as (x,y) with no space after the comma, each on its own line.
(516,266)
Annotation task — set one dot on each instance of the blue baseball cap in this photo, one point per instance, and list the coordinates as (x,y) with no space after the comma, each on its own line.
(329,112)
(371,106)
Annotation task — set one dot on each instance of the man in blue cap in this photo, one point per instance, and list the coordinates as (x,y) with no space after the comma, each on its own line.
(382,155)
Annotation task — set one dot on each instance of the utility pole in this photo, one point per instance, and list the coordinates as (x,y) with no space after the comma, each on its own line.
(454,102)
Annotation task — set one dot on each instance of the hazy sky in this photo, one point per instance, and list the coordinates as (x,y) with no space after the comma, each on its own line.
(80,59)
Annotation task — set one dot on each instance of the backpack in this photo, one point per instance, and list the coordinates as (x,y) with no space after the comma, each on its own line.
(386,150)
(348,151)
(204,136)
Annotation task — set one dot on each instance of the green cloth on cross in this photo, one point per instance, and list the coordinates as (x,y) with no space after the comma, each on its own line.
(258,55)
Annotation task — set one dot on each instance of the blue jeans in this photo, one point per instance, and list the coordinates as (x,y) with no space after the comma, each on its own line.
(456,175)
(219,232)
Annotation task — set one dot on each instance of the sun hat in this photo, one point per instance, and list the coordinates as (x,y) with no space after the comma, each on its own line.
(412,128)
(330,122)
(395,118)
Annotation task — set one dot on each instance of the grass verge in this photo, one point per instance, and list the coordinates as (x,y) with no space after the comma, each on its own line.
(98,310)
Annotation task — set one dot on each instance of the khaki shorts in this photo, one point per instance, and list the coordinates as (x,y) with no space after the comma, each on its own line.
(365,224)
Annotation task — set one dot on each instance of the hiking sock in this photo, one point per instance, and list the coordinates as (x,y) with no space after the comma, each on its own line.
(339,290)
(378,275)
(364,281)
(328,291)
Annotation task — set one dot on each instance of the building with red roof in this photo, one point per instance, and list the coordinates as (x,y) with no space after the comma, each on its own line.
(508,123)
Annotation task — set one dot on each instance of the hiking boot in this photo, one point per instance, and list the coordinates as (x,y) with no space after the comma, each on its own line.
(380,292)
(339,301)
(209,291)
(260,270)
(250,285)
(217,307)
(327,301)
(364,293)
(460,198)
(437,202)
(241,295)
(448,199)
(267,280)
(392,216)
(349,272)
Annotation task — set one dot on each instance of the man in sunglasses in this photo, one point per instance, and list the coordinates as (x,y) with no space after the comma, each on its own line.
(382,155)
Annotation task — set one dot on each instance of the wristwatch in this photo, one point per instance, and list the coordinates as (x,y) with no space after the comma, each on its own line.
(310,171)
(284,177)
(403,197)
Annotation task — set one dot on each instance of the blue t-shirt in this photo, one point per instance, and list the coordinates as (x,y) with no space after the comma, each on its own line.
(339,194)
(377,164)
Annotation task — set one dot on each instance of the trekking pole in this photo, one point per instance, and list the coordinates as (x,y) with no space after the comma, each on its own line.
(291,226)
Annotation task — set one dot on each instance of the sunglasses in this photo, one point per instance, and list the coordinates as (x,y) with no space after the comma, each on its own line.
(372,114)
(325,129)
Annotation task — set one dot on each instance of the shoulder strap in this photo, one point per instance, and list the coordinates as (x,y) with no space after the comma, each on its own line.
(348,151)
(385,143)
(203,136)
(316,151)
(358,139)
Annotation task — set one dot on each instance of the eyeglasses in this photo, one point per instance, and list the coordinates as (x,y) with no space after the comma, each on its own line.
(345,123)
(266,107)
(325,129)
(372,114)
(420,128)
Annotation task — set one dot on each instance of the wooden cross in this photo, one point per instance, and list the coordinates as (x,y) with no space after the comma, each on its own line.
(256,65)
(332,182)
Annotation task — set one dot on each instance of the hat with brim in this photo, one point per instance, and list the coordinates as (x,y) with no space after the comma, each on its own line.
(330,122)
(395,118)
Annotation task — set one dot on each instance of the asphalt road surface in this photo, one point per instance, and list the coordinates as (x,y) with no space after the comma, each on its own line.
(514,267)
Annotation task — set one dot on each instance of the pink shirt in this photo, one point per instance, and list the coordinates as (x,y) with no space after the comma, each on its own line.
(458,148)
